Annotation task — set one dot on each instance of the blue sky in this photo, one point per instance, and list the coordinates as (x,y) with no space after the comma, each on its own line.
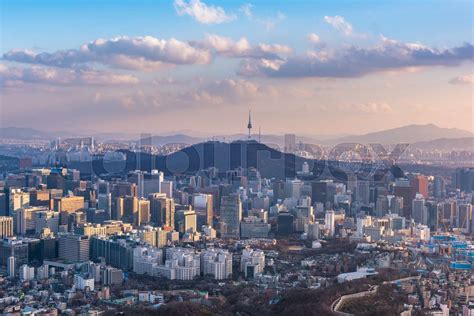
(332,75)
(63,24)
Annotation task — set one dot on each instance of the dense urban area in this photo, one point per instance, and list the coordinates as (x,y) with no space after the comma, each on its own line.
(143,238)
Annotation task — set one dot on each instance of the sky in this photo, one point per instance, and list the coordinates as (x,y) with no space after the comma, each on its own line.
(304,67)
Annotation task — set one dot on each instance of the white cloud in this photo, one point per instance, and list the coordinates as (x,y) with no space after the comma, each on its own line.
(313,38)
(353,61)
(463,80)
(339,23)
(203,13)
(241,48)
(147,53)
(13,76)
(140,53)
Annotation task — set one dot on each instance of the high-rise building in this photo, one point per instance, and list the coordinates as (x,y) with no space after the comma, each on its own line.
(18,199)
(231,215)
(203,205)
(419,184)
(73,248)
(143,215)
(6,226)
(130,208)
(13,248)
(433,215)
(216,262)
(252,262)
(329,222)
(464,217)
(25,220)
(167,188)
(186,221)
(419,210)
(439,189)
(382,205)
(162,210)
(152,182)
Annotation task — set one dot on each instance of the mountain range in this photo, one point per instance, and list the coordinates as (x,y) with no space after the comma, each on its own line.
(413,134)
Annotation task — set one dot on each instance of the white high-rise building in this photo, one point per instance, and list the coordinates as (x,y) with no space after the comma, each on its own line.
(252,262)
(216,262)
(27,273)
(11,270)
(329,222)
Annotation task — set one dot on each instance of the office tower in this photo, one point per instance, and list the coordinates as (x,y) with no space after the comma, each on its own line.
(18,199)
(25,220)
(13,248)
(419,185)
(396,205)
(382,205)
(103,187)
(152,182)
(464,217)
(216,262)
(419,210)
(231,215)
(439,189)
(293,188)
(278,190)
(403,189)
(124,189)
(73,248)
(6,226)
(46,219)
(285,224)
(319,191)
(56,181)
(117,211)
(143,215)
(167,188)
(363,192)
(105,203)
(186,221)
(130,209)
(39,197)
(162,210)
(448,212)
(69,204)
(433,215)
(4,204)
(329,222)
(463,178)
(204,207)
(138,178)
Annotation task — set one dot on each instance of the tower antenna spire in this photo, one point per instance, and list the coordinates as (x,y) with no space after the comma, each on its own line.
(249,125)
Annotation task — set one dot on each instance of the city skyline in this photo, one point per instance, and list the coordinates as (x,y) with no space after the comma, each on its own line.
(312,68)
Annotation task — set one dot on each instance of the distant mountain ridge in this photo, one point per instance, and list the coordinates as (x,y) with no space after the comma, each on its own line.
(411,134)
(464,143)
(406,134)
